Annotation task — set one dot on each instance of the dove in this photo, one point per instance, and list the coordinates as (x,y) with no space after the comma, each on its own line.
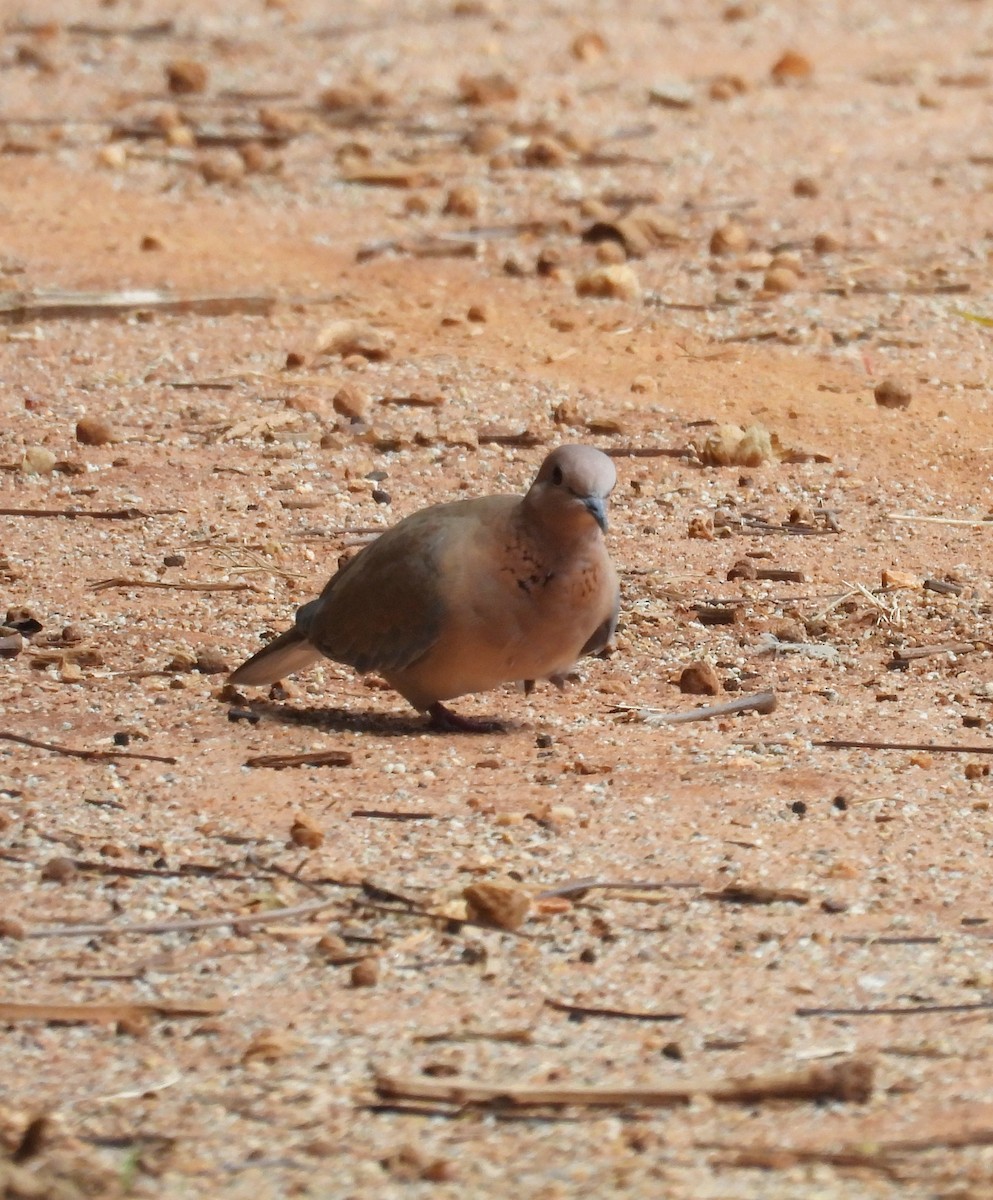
(462,597)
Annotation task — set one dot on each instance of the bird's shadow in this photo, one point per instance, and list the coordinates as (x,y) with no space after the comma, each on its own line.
(350,720)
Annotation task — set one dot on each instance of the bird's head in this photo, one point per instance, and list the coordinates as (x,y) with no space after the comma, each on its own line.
(571,489)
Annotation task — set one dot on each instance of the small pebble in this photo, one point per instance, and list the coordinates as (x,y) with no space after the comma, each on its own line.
(791,67)
(185,76)
(303,832)
(211,662)
(699,679)
(58,870)
(617,282)
(347,337)
(37,460)
(501,904)
(463,201)
(780,280)
(826,243)
(94,431)
(891,393)
(243,714)
(730,238)
(365,973)
(589,46)
(351,401)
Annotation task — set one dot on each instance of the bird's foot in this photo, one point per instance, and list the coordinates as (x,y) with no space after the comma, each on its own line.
(446,721)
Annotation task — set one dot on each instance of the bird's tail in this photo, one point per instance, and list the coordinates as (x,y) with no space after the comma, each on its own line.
(283,656)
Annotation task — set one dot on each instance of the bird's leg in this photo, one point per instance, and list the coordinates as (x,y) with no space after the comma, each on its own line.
(446,721)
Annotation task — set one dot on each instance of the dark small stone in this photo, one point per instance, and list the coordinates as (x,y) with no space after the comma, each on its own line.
(840,803)
(58,870)
(121,738)
(799,807)
(587,955)
(381,497)
(544,740)
(174,560)
(834,906)
(377,476)
(674,1051)
(23,620)
(243,714)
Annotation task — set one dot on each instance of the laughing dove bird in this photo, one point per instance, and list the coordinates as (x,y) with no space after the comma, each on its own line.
(465,596)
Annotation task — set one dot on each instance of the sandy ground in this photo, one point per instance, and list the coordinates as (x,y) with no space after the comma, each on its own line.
(782,240)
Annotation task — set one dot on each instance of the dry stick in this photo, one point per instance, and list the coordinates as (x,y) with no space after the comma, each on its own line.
(624,1014)
(21,307)
(102,585)
(969,523)
(902,657)
(761,702)
(579,887)
(849,1080)
(895,1010)
(319,758)
(236,921)
(107,514)
(120,1011)
(648,452)
(936,748)
(780,1158)
(91,755)
(382,814)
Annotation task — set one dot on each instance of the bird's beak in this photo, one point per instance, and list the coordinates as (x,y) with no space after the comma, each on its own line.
(597,509)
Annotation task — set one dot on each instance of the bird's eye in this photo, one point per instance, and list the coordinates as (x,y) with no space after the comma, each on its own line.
(557,476)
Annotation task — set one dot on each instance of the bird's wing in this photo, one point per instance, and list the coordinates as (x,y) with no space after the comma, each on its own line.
(387,606)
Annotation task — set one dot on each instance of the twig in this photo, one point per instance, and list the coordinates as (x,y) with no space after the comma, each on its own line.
(902,658)
(936,748)
(743,893)
(849,1081)
(648,452)
(579,887)
(41,1010)
(781,1158)
(235,920)
(106,514)
(382,814)
(896,1010)
(760,702)
(523,1036)
(21,307)
(624,1014)
(968,522)
(103,585)
(317,758)
(91,755)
